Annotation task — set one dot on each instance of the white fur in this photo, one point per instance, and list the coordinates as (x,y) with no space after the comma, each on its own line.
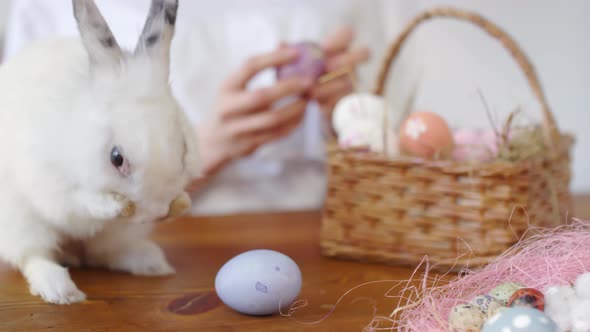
(558,301)
(582,286)
(60,115)
(569,306)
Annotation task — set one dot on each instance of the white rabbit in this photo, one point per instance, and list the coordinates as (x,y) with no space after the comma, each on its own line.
(94,149)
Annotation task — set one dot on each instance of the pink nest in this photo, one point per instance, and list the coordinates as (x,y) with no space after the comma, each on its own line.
(545,258)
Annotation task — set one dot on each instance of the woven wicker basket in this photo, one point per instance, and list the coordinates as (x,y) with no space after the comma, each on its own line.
(398,210)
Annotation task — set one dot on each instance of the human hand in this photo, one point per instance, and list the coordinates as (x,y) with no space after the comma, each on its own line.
(245,120)
(339,56)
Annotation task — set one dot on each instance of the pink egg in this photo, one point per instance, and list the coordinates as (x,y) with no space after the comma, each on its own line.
(309,64)
(425,134)
(475,144)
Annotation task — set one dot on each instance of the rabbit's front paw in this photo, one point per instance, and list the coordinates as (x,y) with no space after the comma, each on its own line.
(106,206)
(127,207)
(70,260)
(52,282)
(143,259)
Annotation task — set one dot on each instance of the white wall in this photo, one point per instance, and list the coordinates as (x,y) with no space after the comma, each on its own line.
(4,7)
(457,59)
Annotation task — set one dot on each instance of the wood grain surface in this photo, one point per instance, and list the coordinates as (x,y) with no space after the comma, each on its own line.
(198,247)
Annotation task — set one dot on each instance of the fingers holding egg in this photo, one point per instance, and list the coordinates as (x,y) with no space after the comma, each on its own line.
(309,64)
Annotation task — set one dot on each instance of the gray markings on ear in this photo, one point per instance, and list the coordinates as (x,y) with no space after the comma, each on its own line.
(151,40)
(100,44)
(158,30)
(171,14)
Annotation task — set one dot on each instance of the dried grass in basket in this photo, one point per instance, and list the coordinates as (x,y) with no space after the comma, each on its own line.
(398,210)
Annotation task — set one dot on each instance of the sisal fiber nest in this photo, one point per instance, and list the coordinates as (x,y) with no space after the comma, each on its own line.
(545,258)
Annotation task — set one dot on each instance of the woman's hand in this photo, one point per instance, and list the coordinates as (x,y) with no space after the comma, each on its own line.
(338,57)
(245,120)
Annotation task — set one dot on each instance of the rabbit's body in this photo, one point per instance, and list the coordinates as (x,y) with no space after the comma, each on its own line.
(94,149)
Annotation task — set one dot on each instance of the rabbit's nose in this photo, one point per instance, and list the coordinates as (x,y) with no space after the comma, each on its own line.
(178,206)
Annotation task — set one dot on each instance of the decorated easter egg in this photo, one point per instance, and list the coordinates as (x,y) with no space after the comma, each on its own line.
(364,135)
(504,291)
(426,135)
(495,311)
(520,319)
(358,107)
(475,144)
(258,282)
(309,63)
(358,121)
(527,297)
(486,303)
(466,317)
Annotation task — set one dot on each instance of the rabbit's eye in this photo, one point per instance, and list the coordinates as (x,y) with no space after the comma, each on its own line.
(117,158)
(120,162)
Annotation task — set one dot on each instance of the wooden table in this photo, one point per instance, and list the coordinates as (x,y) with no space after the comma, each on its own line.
(198,248)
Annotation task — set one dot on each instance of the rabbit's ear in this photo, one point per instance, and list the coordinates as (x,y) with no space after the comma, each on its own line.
(100,44)
(158,31)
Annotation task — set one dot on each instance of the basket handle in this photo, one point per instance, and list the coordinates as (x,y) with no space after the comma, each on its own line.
(551,133)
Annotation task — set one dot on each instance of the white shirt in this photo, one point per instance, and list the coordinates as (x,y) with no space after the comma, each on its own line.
(212,39)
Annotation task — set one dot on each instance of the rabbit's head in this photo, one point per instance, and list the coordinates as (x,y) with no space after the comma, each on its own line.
(146,150)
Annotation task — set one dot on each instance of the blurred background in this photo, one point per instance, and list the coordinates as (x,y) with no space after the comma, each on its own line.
(448,62)
(455,60)
(4,13)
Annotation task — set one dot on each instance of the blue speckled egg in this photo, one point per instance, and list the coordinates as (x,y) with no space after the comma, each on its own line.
(520,319)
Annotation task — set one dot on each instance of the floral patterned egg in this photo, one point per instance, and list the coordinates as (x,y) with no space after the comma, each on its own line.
(504,291)
(358,108)
(520,319)
(475,144)
(486,303)
(426,135)
(358,121)
(527,297)
(466,317)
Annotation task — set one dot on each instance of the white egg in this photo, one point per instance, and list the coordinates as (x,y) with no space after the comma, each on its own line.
(358,119)
(259,282)
(362,135)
